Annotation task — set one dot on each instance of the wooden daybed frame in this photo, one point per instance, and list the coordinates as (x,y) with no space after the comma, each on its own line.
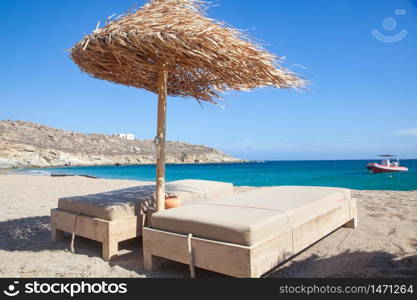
(241,261)
(122,228)
(109,233)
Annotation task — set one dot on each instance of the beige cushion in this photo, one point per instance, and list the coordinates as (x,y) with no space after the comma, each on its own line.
(136,200)
(253,217)
(189,190)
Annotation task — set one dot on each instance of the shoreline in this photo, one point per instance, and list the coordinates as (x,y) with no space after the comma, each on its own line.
(131,165)
(197,163)
(383,245)
(21,173)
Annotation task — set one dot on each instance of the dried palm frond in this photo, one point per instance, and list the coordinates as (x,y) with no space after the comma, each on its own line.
(203,57)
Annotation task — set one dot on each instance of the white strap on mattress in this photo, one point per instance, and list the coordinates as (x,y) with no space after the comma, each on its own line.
(73,234)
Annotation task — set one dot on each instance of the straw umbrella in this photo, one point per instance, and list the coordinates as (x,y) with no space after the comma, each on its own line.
(170,47)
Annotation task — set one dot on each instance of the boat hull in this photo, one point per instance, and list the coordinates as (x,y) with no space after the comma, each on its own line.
(377,168)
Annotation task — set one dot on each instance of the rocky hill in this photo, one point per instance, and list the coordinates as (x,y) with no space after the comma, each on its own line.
(25,144)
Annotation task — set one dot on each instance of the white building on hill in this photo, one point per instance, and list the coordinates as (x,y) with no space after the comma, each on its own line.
(127,136)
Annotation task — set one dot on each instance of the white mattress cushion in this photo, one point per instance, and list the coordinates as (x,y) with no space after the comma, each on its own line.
(252,217)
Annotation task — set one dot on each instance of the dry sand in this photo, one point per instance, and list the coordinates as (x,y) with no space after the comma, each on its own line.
(384,244)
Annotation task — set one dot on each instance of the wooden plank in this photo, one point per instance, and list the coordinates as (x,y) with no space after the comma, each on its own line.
(353,223)
(161,141)
(110,249)
(125,229)
(91,228)
(56,235)
(97,229)
(228,259)
(268,255)
(150,262)
(316,229)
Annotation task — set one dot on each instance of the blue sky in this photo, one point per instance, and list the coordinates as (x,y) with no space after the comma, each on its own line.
(362,99)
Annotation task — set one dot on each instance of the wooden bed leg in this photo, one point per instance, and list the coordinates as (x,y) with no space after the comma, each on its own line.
(150,262)
(110,249)
(352,224)
(254,274)
(56,235)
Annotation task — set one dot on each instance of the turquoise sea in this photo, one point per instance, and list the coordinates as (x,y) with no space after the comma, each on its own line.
(341,173)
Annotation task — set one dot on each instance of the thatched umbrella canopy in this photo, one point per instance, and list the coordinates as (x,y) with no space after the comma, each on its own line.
(170,47)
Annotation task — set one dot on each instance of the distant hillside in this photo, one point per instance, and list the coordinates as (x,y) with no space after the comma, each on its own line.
(25,144)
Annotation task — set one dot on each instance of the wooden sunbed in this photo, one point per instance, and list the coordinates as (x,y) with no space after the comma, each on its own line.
(248,234)
(117,216)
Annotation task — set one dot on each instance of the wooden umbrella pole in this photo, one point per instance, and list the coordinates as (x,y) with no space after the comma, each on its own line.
(160,140)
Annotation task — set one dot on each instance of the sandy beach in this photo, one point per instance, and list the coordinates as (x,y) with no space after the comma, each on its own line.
(384,244)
